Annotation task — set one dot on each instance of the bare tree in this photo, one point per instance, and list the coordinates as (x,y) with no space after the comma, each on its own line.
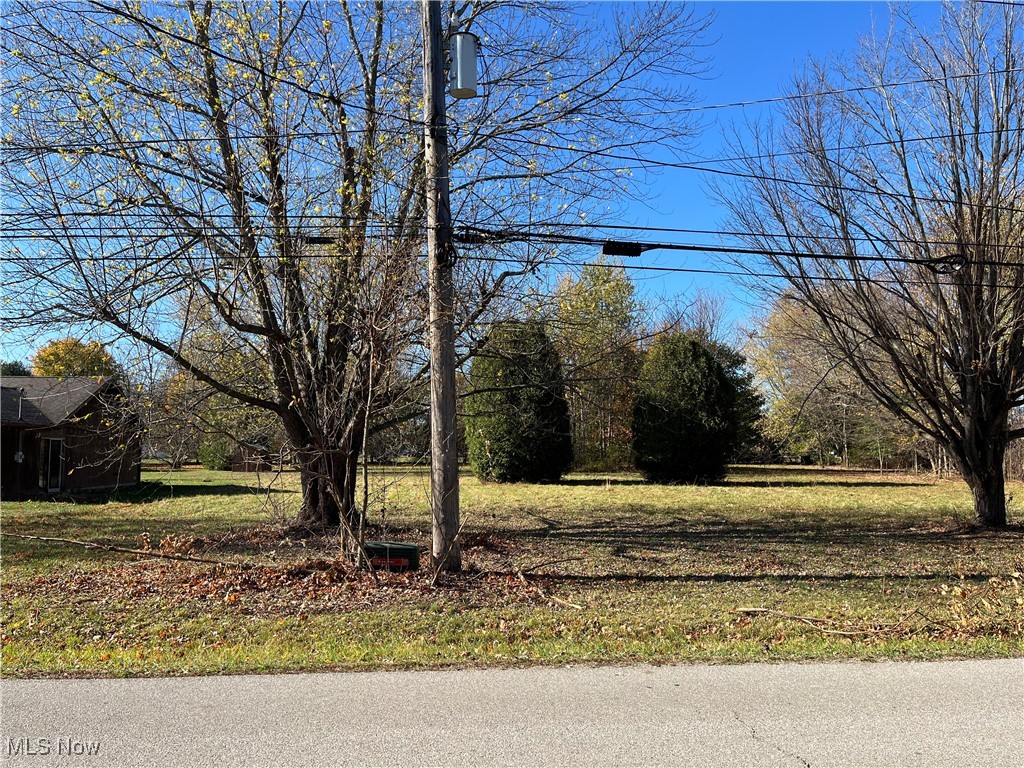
(889,201)
(816,404)
(257,167)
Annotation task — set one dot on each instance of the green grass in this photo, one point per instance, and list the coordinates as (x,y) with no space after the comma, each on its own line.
(598,568)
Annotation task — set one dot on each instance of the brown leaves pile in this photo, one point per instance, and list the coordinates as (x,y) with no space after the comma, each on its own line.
(300,587)
(995,607)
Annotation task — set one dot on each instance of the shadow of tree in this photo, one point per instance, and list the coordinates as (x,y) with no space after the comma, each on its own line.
(768,477)
(850,483)
(600,481)
(737,550)
(148,492)
(672,534)
(582,580)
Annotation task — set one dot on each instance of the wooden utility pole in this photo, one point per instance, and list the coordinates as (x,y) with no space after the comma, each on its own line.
(444,458)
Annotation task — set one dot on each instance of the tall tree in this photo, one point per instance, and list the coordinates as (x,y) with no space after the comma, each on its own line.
(889,203)
(260,163)
(14,368)
(704,317)
(73,357)
(749,403)
(685,416)
(517,417)
(596,326)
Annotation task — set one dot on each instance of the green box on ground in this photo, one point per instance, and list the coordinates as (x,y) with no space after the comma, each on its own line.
(392,555)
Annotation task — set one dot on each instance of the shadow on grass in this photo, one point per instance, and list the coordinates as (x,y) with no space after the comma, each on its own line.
(811,469)
(746,578)
(148,492)
(810,476)
(726,535)
(770,477)
(732,483)
(599,481)
(120,517)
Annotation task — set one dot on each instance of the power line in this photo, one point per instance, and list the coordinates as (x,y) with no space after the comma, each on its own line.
(750,233)
(28,232)
(846,147)
(836,91)
(381,223)
(522,233)
(744,273)
(661,269)
(480,236)
(934,264)
(90,146)
(504,124)
(645,162)
(642,162)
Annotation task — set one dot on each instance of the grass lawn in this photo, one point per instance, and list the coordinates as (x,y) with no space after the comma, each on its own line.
(776,563)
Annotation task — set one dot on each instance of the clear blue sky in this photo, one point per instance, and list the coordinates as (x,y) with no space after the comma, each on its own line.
(757,48)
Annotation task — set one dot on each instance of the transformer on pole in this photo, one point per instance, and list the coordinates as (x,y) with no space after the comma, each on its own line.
(462,74)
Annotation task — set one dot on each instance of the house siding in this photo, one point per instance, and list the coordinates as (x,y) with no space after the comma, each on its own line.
(97,454)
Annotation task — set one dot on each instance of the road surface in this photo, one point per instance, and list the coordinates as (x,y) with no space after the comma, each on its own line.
(954,713)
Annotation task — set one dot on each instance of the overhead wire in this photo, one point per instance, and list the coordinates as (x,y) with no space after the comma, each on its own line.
(11,145)
(552,232)
(834,91)
(637,267)
(735,273)
(692,247)
(999,2)
(25,232)
(644,163)
(696,108)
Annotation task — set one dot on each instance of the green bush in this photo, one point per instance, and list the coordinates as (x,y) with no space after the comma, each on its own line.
(517,417)
(685,415)
(215,452)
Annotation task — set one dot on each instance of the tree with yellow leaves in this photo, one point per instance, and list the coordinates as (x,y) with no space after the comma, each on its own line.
(73,357)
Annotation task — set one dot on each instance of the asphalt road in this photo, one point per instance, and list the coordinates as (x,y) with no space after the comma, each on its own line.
(960,713)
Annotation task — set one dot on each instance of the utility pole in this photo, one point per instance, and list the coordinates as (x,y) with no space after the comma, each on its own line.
(444,458)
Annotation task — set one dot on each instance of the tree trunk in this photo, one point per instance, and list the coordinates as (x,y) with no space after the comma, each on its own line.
(319,509)
(326,481)
(990,500)
(982,469)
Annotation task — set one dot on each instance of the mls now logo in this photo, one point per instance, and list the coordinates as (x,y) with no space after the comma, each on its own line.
(43,746)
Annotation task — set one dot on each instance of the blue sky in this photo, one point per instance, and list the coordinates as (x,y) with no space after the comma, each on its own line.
(756,49)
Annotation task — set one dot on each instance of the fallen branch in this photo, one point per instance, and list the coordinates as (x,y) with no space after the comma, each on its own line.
(142,552)
(816,622)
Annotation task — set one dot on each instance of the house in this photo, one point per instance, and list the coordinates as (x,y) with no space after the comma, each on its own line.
(64,435)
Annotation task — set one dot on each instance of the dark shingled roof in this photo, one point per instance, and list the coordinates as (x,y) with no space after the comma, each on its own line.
(48,400)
